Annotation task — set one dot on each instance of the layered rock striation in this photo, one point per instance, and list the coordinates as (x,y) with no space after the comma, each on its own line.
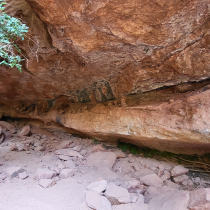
(94,63)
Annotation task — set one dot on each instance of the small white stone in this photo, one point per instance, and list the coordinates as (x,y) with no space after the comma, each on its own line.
(180,179)
(23,175)
(66,173)
(24,131)
(44,174)
(179,170)
(171,184)
(60,164)
(165,176)
(98,186)
(77,148)
(39,148)
(45,183)
(190,183)
(20,146)
(197,180)
(83,152)
(152,180)
(69,164)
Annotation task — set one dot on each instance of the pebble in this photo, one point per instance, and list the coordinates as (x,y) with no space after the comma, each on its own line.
(178,171)
(24,131)
(23,175)
(45,183)
(98,186)
(66,173)
(180,179)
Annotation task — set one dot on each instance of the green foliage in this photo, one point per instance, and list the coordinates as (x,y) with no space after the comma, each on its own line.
(150,153)
(95,141)
(11,29)
(128,148)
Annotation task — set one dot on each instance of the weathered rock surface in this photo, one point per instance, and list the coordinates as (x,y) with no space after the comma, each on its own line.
(66,173)
(6,125)
(45,183)
(98,51)
(24,131)
(152,192)
(175,200)
(199,199)
(44,174)
(179,170)
(152,180)
(106,173)
(98,186)
(117,195)
(144,51)
(102,159)
(23,175)
(95,201)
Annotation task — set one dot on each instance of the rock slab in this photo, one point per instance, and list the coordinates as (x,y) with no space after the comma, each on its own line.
(117,195)
(105,159)
(44,174)
(95,201)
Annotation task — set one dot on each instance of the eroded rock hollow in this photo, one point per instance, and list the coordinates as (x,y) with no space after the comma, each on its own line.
(116,70)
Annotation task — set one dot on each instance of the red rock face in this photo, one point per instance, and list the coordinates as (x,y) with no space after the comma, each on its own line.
(100,50)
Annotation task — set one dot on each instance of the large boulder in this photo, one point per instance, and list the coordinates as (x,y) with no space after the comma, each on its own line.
(117,53)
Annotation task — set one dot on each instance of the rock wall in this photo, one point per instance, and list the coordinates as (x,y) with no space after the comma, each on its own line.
(84,52)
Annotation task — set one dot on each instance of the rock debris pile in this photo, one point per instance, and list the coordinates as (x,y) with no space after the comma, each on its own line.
(111,179)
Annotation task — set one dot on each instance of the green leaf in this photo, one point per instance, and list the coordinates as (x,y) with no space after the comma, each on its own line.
(10,30)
